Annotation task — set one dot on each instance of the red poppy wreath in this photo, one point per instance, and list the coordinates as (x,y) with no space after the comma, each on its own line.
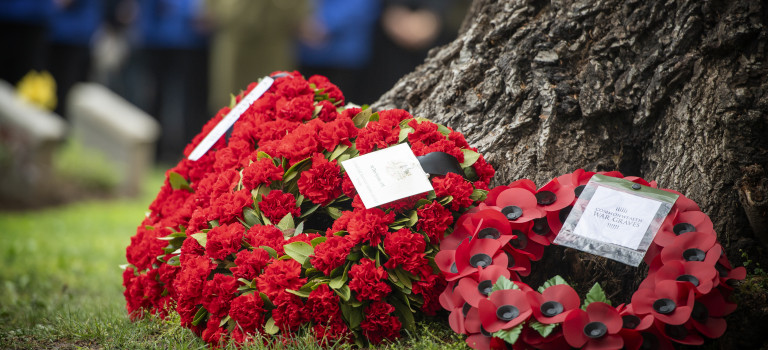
(683,299)
(265,235)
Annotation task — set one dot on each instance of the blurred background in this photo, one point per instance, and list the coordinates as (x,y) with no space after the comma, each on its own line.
(119,86)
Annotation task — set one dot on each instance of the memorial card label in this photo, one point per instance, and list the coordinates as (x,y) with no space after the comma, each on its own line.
(617,217)
(387,175)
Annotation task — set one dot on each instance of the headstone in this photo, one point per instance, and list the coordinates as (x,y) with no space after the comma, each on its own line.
(126,135)
(28,138)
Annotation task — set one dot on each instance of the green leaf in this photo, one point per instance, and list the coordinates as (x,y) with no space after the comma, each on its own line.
(552,282)
(422,202)
(403,135)
(251,216)
(172,236)
(362,118)
(270,327)
(404,279)
(544,329)
(267,303)
(355,317)
(334,212)
(299,228)
(261,155)
(338,151)
(413,217)
(299,251)
(174,261)
(286,222)
(368,251)
(224,321)
(295,169)
(343,157)
(470,157)
(478,195)
(272,252)
(344,292)
(404,311)
(178,182)
(443,129)
(509,335)
(301,293)
(470,173)
(503,283)
(309,211)
(199,316)
(445,200)
(317,241)
(596,293)
(201,237)
(232,100)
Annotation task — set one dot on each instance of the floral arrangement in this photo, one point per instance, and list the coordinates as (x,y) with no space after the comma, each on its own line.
(683,299)
(266,235)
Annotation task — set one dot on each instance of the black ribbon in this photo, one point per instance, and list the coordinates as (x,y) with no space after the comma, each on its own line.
(440,163)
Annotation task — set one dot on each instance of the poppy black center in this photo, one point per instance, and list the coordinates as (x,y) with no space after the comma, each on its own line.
(676,332)
(683,227)
(512,212)
(551,308)
(465,309)
(507,312)
(700,312)
(484,332)
(721,270)
(630,321)
(546,197)
(510,260)
(577,191)
(540,226)
(453,268)
(480,260)
(485,287)
(689,278)
(489,232)
(595,330)
(521,241)
(664,306)
(694,254)
(563,214)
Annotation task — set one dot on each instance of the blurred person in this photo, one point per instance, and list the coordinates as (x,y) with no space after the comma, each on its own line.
(405,32)
(251,40)
(336,41)
(23,37)
(173,50)
(71,32)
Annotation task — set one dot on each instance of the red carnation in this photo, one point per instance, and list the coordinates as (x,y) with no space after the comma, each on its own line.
(377,135)
(250,263)
(405,249)
(434,221)
(378,324)
(337,132)
(279,276)
(276,204)
(368,281)
(324,86)
(266,235)
(295,109)
(217,294)
(229,206)
(261,172)
(321,183)
(224,240)
(327,112)
(596,328)
(331,254)
(369,225)
(248,311)
(323,305)
(425,132)
(454,185)
(290,312)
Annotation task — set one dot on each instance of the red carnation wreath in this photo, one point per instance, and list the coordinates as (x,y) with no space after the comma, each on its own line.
(266,235)
(683,299)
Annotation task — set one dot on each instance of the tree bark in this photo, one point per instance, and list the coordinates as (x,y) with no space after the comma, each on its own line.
(674,91)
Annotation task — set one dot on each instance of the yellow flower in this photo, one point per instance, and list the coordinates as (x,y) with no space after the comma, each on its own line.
(38,88)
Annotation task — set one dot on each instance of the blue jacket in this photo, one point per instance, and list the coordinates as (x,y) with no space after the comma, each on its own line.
(26,11)
(350,25)
(170,23)
(76,23)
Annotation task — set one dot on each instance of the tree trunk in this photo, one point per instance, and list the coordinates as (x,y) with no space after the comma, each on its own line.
(674,91)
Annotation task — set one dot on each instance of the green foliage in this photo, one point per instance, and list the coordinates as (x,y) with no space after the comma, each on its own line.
(595,293)
(85,169)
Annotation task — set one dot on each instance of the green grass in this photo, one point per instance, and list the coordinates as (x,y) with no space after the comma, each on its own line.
(60,283)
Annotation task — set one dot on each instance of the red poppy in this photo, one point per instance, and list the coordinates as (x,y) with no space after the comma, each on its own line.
(556,219)
(726,272)
(473,290)
(484,224)
(470,257)
(669,301)
(517,204)
(517,261)
(533,340)
(555,196)
(700,274)
(504,309)
(596,328)
(554,303)
(683,333)
(683,222)
(453,301)
(694,246)
(650,338)
(708,313)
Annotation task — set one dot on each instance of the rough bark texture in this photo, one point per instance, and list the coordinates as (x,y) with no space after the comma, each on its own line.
(673,91)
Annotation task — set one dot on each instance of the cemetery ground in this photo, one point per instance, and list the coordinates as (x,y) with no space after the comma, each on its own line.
(60,282)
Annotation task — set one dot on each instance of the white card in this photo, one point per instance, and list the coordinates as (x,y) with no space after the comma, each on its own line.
(387,175)
(617,217)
